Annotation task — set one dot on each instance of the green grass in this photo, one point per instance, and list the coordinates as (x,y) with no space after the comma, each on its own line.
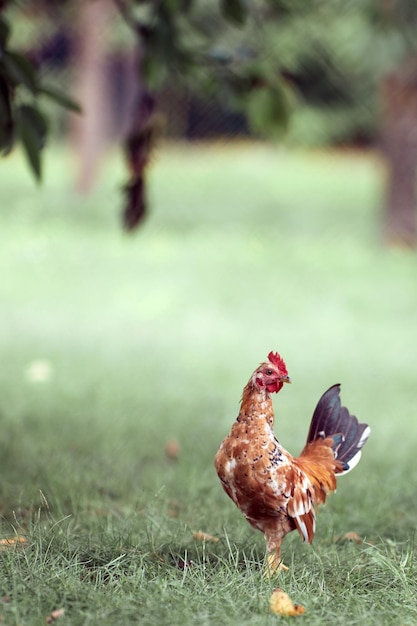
(151,338)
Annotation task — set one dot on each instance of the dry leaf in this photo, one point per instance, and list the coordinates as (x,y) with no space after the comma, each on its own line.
(11,542)
(350,536)
(281,603)
(174,508)
(200,536)
(56,614)
(172,449)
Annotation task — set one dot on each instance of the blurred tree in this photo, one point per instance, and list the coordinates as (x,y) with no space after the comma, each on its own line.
(180,41)
(399,145)
(21,91)
(352,65)
(89,52)
(354,68)
(398,94)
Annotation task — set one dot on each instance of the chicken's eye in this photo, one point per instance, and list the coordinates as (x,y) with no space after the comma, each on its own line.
(269,372)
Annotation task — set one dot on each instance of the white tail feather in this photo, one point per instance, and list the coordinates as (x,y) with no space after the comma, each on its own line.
(364,437)
(352,463)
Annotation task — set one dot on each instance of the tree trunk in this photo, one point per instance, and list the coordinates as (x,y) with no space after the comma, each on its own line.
(399,145)
(88,130)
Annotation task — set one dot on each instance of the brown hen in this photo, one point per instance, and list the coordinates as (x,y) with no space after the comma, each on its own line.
(276,492)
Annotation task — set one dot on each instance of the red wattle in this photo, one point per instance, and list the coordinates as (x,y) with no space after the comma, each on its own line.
(274,387)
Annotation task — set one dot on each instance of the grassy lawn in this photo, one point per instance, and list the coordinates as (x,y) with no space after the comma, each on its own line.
(113,346)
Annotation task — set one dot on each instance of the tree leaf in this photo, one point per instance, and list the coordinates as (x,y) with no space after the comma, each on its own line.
(57,96)
(4,34)
(235,11)
(268,110)
(32,152)
(21,71)
(154,71)
(135,208)
(33,129)
(185,5)
(175,6)
(6,119)
(37,121)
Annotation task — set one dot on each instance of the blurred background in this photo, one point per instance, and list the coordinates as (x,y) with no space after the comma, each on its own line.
(241,178)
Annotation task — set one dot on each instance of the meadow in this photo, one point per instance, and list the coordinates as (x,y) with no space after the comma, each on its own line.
(123,358)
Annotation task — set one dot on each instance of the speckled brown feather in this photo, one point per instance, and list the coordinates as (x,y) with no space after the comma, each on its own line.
(275,491)
(271,487)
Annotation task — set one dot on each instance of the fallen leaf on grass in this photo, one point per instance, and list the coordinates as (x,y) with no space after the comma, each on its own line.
(11,542)
(350,536)
(281,603)
(56,614)
(172,449)
(200,536)
(174,508)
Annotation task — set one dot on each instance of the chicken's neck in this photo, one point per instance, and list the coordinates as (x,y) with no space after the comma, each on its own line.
(256,405)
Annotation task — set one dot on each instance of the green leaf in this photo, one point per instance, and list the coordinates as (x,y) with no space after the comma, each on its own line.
(4,34)
(33,129)
(60,98)
(175,6)
(185,5)
(21,71)
(268,110)
(6,119)
(235,11)
(154,72)
(37,121)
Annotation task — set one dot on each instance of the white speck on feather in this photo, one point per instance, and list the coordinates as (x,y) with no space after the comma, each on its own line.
(230,465)
(301,525)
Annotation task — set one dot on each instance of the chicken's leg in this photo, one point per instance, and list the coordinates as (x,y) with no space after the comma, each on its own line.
(274,563)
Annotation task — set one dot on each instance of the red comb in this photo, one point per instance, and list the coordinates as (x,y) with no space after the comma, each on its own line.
(276,360)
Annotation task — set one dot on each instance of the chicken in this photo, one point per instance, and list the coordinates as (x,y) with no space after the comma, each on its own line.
(276,492)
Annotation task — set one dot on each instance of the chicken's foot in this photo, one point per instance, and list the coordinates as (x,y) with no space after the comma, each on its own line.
(274,564)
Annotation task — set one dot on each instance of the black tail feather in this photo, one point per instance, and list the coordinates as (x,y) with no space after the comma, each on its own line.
(331,419)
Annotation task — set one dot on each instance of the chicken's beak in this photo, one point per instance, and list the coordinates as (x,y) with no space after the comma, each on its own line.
(285,379)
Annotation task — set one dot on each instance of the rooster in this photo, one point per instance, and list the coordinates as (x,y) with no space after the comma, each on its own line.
(276,492)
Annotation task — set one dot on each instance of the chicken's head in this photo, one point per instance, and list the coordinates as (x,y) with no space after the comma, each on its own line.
(271,375)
